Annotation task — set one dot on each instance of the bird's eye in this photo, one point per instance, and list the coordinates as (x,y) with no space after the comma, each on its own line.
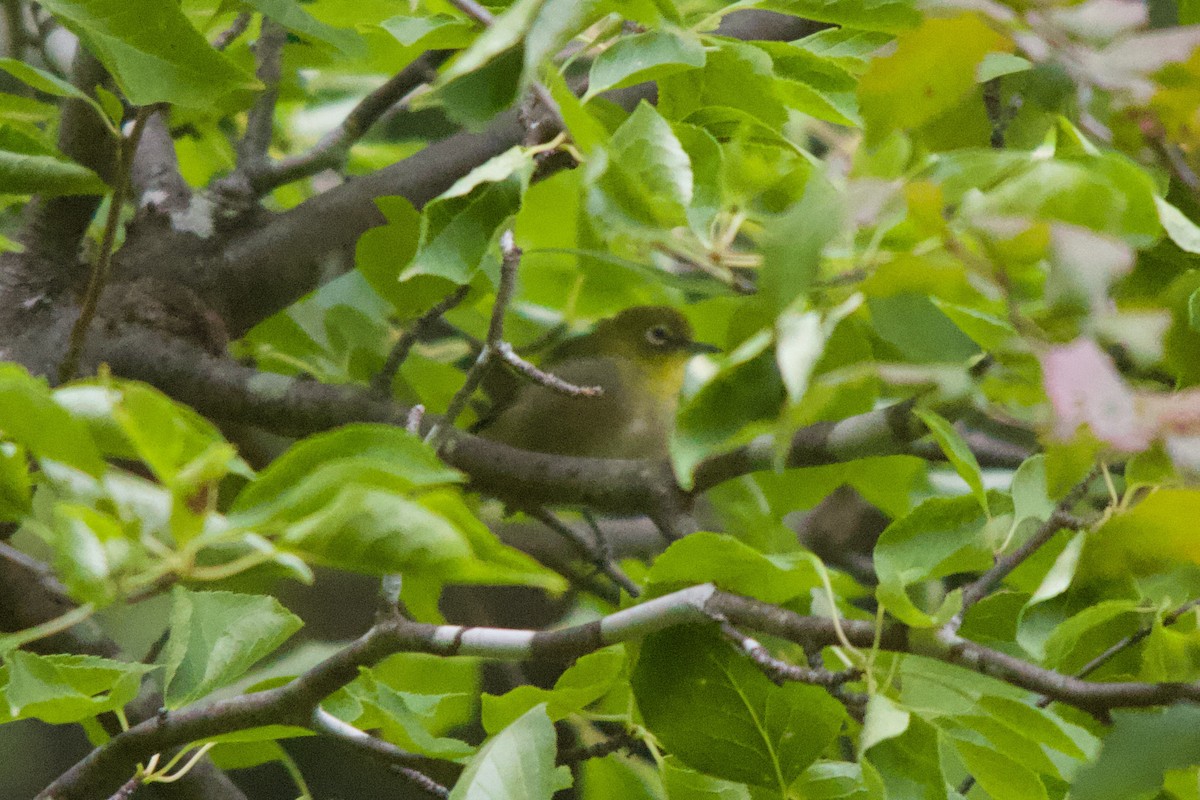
(658,335)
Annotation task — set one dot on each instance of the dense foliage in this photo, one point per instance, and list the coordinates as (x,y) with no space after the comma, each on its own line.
(927,528)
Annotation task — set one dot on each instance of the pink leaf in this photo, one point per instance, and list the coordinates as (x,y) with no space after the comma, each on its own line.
(1085,388)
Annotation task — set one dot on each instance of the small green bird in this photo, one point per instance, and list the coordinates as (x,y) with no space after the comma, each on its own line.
(637,358)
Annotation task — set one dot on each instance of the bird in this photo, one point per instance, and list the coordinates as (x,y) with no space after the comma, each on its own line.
(637,358)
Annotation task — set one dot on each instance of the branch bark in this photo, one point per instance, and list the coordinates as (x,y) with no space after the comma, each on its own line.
(295,702)
(226,390)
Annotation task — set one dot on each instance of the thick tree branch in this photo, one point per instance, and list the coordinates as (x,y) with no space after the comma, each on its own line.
(154,176)
(230,391)
(54,227)
(277,263)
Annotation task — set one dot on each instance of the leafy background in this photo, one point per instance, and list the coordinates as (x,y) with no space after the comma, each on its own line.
(989,207)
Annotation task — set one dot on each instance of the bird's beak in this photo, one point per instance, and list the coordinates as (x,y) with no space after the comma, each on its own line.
(702,347)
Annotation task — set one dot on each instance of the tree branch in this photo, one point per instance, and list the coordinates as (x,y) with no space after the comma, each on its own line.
(381,384)
(1058,519)
(331,151)
(295,702)
(54,227)
(154,175)
(100,271)
(229,391)
(260,122)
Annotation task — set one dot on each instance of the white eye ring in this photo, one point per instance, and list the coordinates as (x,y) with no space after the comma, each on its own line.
(657,335)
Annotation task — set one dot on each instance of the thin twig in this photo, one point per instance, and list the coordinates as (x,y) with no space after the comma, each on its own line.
(481,15)
(780,671)
(1126,643)
(126,791)
(421,781)
(397,760)
(1059,518)
(331,151)
(509,356)
(606,746)
(595,555)
(231,34)
(475,11)
(509,264)
(381,386)
(260,121)
(99,276)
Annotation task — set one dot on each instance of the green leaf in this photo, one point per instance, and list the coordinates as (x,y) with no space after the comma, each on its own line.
(794,241)
(845,44)
(932,70)
(475,98)
(43,81)
(986,330)
(643,57)
(745,390)
(382,251)
(556,23)
(1106,193)
(1001,777)
(734,567)
(1038,724)
(515,764)
(942,536)
(504,34)
(215,637)
(22,173)
(30,416)
(1140,748)
(1182,230)
(646,177)
(90,547)
(900,757)
(735,75)
(67,688)
(435,32)
(957,452)
(316,469)
(456,232)
(682,783)
(1072,643)
(617,775)
(178,445)
(891,16)
(583,683)
(403,717)
(1142,540)
(16,489)
(918,329)
(153,51)
(768,735)
(377,533)
(832,780)
(290,15)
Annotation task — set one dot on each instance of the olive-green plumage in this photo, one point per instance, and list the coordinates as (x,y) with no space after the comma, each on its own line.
(638,359)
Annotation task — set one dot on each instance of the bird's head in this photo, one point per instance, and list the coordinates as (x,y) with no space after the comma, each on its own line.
(649,335)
